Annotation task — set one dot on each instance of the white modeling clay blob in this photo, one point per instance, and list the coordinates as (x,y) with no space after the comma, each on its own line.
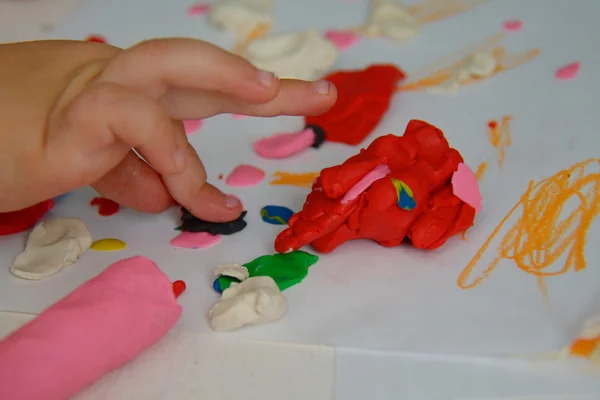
(478,65)
(51,246)
(241,16)
(236,271)
(298,55)
(390,18)
(256,300)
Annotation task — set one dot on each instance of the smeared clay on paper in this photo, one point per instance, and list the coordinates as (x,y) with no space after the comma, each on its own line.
(109,244)
(98,327)
(106,207)
(189,223)
(19,221)
(276,215)
(364,96)
(479,65)
(198,9)
(241,16)
(568,71)
(342,39)
(286,270)
(512,25)
(51,246)
(192,126)
(295,55)
(245,175)
(195,240)
(253,301)
(421,160)
(392,19)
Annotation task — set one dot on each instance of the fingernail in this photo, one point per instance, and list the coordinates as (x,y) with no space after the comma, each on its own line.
(179,159)
(266,78)
(321,87)
(232,202)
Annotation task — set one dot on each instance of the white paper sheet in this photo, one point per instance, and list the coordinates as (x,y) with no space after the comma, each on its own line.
(363,296)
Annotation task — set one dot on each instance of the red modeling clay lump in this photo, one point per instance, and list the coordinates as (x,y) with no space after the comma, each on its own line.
(19,221)
(363,98)
(397,189)
(106,207)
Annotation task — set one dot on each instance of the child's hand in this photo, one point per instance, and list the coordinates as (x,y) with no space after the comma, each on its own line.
(72,112)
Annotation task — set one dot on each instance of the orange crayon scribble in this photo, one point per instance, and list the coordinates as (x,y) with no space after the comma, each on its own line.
(539,237)
(585,348)
(305,179)
(442,70)
(499,136)
(480,171)
(258,32)
(429,11)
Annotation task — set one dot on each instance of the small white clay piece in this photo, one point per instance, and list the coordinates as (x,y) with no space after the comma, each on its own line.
(241,16)
(391,18)
(236,271)
(51,246)
(478,65)
(303,55)
(254,301)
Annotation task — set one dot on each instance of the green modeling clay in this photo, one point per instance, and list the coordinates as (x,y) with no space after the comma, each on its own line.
(286,269)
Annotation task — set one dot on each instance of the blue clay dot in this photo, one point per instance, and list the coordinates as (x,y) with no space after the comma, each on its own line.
(217,286)
(276,215)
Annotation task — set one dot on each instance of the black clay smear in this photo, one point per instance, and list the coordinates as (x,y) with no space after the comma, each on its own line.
(319,135)
(189,223)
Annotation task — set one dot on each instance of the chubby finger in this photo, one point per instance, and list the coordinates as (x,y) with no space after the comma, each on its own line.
(155,66)
(295,97)
(117,119)
(201,198)
(132,183)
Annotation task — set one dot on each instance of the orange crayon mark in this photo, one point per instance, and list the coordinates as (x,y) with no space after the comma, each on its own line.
(258,32)
(480,171)
(305,179)
(444,69)
(585,348)
(430,11)
(539,237)
(500,137)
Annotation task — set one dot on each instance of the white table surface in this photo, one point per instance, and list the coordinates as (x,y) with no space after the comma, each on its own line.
(190,366)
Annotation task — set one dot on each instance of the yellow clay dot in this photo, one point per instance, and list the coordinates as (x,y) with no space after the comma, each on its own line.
(108,245)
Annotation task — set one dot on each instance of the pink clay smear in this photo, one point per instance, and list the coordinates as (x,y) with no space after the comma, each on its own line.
(195,240)
(283,145)
(513,25)
(568,72)
(377,173)
(341,39)
(198,9)
(245,175)
(238,116)
(191,126)
(465,186)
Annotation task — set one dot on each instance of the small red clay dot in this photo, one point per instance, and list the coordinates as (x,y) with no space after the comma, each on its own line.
(492,124)
(178,288)
(106,207)
(95,38)
(220,176)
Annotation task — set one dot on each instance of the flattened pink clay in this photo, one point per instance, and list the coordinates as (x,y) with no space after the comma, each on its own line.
(377,173)
(191,126)
(568,71)
(465,186)
(198,9)
(341,39)
(96,328)
(283,145)
(195,240)
(245,175)
(513,25)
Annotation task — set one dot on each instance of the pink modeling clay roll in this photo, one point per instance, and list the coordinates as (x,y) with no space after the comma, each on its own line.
(98,327)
